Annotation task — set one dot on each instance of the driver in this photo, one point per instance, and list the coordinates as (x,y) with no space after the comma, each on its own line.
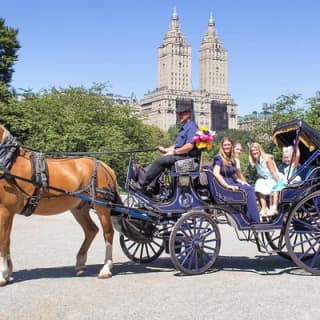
(182,149)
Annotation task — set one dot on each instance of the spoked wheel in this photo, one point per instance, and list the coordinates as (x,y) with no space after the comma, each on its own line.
(131,201)
(302,235)
(142,251)
(277,243)
(194,243)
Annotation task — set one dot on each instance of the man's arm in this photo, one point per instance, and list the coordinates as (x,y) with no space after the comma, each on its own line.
(182,150)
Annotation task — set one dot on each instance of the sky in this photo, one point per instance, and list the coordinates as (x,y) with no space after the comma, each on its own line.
(273,45)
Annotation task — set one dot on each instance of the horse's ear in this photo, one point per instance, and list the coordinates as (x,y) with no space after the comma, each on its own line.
(2,132)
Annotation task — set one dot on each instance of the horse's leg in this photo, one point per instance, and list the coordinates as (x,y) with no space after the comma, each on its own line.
(6,219)
(90,230)
(105,219)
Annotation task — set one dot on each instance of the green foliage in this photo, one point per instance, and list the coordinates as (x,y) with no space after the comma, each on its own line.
(313,114)
(80,120)
(173,133)
(9,46)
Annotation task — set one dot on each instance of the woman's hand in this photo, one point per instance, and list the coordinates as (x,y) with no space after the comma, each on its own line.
(242,182)
(233,188)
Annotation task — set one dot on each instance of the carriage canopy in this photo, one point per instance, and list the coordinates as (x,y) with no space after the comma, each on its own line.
(286,133)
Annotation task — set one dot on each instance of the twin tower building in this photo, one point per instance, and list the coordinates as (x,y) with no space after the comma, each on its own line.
(212,106)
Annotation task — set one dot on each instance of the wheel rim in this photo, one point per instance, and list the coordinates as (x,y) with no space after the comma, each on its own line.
(194,243)
(131,201)
(277,243)
(141,251)
(303,233)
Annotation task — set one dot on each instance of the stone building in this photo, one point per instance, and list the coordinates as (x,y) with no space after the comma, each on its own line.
(212,105)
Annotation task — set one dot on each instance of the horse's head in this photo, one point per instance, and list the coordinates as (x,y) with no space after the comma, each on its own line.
(9,148)
(3,133)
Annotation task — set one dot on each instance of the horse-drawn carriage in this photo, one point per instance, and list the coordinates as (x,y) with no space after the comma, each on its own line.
(183,220)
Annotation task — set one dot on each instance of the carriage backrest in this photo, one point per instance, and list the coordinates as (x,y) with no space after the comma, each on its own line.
(312,175)
(221,195)
(294,191)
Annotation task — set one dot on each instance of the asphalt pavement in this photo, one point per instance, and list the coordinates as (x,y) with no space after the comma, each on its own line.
(244,284)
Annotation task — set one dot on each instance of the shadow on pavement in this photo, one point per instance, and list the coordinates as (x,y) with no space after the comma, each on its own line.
(126,268)
(262,265)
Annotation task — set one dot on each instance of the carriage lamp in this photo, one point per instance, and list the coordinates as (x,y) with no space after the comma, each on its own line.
(186,200)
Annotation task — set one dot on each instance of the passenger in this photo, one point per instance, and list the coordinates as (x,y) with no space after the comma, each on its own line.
(182,149)
(228,175)
(238,149)
(287,169)
(268,177)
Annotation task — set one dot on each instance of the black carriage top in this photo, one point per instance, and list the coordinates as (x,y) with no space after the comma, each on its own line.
(287,133)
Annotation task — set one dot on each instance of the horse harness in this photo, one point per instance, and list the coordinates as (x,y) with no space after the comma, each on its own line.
(40,177)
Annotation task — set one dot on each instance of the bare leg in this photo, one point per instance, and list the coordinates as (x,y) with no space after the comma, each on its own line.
(90,230)
(262,201)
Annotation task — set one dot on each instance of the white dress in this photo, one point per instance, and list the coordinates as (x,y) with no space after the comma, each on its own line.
(266,181)
(238,166)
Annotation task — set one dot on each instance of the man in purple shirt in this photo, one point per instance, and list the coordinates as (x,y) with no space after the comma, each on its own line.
(183,148)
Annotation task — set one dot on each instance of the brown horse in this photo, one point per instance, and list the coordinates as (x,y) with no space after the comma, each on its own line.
(65,178)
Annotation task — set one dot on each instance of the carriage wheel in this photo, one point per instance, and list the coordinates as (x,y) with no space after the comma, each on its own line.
(302,235)
(194,243)
(143,251)
(277,243)
(130,201)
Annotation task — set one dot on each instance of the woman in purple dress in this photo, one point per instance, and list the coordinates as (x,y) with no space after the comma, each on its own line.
(229,176)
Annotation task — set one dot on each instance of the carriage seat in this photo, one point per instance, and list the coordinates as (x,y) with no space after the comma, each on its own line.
(291,192)
(221,195)
(180,167)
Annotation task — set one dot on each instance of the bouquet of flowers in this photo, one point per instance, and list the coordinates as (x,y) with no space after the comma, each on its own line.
(204,139)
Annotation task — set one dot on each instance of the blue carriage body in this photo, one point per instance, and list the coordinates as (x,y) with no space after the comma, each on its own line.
(195,201)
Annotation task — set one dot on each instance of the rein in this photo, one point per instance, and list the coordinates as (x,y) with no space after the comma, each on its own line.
(9,150)
(89,153)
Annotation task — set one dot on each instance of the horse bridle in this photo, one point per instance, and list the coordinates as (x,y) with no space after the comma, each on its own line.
(9,149)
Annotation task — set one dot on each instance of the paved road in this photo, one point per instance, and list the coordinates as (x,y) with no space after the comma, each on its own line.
(244,284)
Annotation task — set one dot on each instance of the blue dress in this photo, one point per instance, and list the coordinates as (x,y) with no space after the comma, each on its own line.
(266,181)
(228,172)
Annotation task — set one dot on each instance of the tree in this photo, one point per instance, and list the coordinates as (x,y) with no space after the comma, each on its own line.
(77,119)
(9,47)
(313,113)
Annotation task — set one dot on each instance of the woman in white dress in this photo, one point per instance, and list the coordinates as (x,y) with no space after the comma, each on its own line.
(268,177)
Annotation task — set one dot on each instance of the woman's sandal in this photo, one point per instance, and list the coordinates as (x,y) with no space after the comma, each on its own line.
(272,212)
(263,215)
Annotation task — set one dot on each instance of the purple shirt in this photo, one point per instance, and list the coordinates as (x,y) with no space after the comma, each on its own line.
(186,134)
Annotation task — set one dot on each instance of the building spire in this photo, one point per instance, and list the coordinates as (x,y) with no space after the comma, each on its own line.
(211,36)
(175,20)
(174,33)
(211,27)
(211,21)
(174,14)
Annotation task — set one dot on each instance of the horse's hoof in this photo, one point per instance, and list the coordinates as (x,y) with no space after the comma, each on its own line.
(104,275)
(3,283)
(79,271)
